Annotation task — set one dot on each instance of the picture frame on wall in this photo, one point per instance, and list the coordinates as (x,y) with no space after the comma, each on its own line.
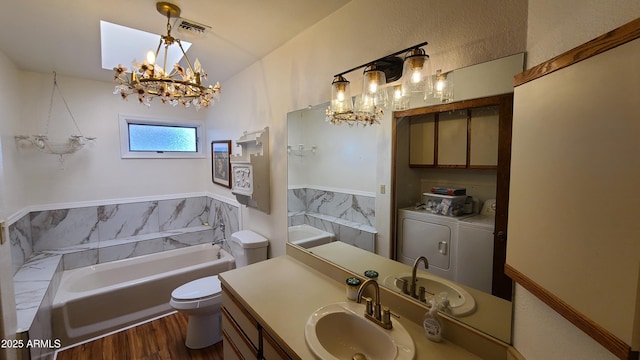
(221,162)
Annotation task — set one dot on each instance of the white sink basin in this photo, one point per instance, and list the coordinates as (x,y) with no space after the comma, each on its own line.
(461,303)
(340,331)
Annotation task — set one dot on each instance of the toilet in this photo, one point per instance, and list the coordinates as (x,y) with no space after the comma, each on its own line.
(200,299)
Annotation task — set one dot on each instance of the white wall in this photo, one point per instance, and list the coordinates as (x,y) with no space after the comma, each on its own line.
(300,72)
(96,172)
(553,28)
(345,159)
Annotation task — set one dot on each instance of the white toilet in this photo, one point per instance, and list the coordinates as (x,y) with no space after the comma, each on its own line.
(201,298)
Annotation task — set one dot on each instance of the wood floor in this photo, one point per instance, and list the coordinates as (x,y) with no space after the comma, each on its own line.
(160,339)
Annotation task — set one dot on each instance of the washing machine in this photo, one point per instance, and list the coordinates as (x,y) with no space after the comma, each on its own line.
(422,233)
(475,248)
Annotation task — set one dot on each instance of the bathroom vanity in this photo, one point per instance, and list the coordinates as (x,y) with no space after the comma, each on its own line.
(266,307)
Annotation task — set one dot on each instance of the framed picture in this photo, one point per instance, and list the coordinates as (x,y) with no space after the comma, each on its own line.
(220,162)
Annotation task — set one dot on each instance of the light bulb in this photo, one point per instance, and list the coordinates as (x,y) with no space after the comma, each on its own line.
(340,95)
(397,92)
(151,57)
(373,87)
(415,76)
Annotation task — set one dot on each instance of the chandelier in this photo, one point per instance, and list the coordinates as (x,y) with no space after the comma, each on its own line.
(369,106)
(177,85)
(42,142)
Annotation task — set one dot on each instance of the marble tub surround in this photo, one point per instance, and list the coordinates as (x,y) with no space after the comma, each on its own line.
(20,240)
(350,217)
(359,209)
(83,230)
(35,286)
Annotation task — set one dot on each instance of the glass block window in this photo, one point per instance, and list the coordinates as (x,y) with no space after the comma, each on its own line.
(152,138)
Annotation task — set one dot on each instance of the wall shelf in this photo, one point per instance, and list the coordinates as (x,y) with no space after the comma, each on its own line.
(251,177)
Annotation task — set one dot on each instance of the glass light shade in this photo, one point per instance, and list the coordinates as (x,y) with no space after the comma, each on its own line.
(372,87)
(416,72)
(341,101)
(443,87)
(399,99)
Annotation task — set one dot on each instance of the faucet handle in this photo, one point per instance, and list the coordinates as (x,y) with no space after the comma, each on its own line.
(369,305)
(422,294)
(386,317)
(405,285)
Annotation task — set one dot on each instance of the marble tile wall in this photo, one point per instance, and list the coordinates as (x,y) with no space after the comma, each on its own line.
(89,235)
(350,217)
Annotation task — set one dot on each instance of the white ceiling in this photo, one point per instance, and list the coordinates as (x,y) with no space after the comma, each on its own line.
(64,35)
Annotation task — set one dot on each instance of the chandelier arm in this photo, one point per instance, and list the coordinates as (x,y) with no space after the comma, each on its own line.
(188,61)
(157,53)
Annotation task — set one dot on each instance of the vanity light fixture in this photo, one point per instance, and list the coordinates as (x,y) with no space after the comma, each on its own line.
(374,97)
(177,85)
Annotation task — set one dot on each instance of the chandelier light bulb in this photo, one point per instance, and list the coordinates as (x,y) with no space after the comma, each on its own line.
(151,57)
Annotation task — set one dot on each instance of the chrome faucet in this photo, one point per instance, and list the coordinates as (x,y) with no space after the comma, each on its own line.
(381,315)
(414,280)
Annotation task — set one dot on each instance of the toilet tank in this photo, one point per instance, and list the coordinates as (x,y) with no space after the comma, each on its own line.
(248,247)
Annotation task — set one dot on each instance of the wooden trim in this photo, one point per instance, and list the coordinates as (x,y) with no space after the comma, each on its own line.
(625,33)
(618,347)
(459,105)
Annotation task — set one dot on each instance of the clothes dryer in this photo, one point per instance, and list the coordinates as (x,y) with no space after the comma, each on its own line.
(475,248)
(421,233)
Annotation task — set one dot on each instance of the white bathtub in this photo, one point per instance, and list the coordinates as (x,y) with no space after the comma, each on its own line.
(307,236)
(98,299)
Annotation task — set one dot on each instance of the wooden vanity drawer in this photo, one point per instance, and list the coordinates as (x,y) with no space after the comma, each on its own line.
(271,349)
(239,345)
(229,349)
(248,325)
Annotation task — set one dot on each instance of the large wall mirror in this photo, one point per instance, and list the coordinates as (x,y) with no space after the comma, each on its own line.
(339,189)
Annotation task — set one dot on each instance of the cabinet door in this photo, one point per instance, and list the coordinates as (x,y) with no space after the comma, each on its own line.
(452,139)
(422,140)
(483,136)
(421,238)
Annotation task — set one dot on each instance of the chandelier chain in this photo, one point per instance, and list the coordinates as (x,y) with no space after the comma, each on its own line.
(64,101)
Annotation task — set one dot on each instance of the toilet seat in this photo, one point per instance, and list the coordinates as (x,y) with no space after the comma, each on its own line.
(199,289)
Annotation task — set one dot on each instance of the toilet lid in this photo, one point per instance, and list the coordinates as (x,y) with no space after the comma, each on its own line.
(196,289)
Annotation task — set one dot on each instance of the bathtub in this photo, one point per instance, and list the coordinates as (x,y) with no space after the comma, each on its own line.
(98,299)
(307,236)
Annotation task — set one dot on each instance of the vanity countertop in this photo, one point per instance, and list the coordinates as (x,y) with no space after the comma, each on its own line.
(282,292)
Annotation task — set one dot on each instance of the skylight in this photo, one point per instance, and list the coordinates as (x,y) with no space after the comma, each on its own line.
(123,45)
